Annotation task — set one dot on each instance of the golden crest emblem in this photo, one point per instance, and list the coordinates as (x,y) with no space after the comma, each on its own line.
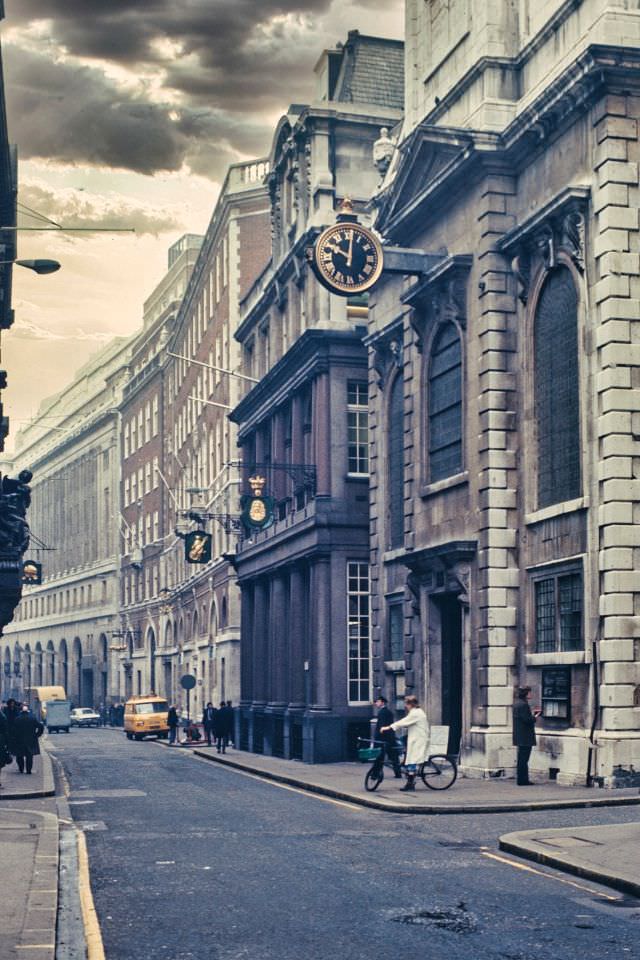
(258,511)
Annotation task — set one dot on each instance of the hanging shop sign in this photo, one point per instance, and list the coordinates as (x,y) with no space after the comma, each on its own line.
(31,572)
(258,510)
(197,547)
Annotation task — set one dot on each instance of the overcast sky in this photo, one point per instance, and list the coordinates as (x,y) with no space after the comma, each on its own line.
(128,113)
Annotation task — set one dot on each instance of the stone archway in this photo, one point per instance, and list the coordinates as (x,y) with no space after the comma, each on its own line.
(75,693)
(63,665)
(103,669)
(151,647)
(27,668)
(39,666)
(6,677)
(50,665)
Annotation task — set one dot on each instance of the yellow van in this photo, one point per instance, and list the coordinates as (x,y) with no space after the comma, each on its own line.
(146,716)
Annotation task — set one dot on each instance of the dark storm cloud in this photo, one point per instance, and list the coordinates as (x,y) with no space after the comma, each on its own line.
(228,63)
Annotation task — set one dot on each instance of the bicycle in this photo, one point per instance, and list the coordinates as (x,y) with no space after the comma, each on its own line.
(438,772)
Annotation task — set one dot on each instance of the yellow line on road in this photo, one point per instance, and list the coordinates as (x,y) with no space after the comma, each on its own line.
(93,936)
(285,786)
(548,876)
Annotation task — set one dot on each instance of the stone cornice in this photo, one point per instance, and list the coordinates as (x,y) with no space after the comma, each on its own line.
(455,155)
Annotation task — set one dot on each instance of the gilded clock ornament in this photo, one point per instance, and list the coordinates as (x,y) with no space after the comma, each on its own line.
(347,257)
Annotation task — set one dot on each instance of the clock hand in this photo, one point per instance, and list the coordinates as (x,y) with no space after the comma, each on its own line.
(350,250)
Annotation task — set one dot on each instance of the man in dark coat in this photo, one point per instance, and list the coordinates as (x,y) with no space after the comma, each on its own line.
(26,730)
(524,733)
(384,719)
(209,721)
(5,755)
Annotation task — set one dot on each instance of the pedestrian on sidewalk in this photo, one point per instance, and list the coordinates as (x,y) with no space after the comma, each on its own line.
(417,726)
(209,721)
(26,732)
(389,745)
(172,721)
(11,712)
(220,728)
(228,724)
(5,754)
(524,734)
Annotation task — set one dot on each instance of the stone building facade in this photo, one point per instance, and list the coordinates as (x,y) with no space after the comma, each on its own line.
(503,384)
(306,684)
(63,628)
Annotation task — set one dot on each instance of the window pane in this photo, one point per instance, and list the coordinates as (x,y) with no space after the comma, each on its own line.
(396,464)
(545,616)
(556,390)
(358,645)
(570,608)
(445,404)
(396,622)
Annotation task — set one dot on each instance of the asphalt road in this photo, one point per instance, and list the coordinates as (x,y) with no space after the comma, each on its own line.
(191,860)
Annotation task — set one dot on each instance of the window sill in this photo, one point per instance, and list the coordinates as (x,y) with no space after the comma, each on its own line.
(431,489)
(555,659)
(557,510)
(362,477)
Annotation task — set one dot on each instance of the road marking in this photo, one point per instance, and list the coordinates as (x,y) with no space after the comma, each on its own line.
(93,936)
(549,876)
(285,786)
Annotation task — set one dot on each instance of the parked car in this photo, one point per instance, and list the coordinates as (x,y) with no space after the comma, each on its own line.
(85,717)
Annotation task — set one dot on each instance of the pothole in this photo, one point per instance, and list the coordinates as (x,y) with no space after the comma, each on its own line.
(456,919)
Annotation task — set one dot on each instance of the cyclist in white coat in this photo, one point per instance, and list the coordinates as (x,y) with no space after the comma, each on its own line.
(417,727)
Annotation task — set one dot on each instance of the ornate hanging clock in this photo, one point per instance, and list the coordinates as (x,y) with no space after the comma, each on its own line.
(347,257)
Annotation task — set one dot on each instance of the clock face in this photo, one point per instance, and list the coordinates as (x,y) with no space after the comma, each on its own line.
(348,258)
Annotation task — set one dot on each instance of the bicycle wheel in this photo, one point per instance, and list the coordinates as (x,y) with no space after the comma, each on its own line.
(373,779)
(439,773)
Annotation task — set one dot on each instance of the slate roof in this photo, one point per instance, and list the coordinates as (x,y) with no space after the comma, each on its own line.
(372,71)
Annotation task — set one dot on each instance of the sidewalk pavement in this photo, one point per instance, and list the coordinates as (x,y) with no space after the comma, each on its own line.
(606,854)
(29,849)
(21,786)
(345,781)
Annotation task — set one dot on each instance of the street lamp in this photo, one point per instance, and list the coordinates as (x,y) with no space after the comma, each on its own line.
(38,266)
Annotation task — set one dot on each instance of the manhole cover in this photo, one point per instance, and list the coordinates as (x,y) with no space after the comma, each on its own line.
(457,919)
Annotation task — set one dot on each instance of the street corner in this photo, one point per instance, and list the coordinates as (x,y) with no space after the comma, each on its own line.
(606,854)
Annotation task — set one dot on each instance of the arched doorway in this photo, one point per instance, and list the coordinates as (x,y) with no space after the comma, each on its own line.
(39,666)
(50,671)
(27,666)
(63,665)
(76,672)
(103,654)
(151,646)
(6,680)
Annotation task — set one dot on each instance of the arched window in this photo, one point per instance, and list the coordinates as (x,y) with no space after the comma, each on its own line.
(444,404)
(395,437)
(556,390)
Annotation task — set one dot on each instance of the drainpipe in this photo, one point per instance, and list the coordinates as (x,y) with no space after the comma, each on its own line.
(596,707)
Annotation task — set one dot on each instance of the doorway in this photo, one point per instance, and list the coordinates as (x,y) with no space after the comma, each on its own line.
(451,667)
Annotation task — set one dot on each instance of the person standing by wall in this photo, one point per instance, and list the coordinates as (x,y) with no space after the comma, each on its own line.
(524,734)
(209,721)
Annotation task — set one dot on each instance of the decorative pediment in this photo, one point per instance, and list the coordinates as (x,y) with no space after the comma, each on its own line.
(559,226)
(440,296)
(428,157)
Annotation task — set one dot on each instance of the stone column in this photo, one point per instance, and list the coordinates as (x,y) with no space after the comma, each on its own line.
(296,646)
(259,644)
(320,627)
(278,641)
(498,573)
(321,434)
(246,644)
(616,304)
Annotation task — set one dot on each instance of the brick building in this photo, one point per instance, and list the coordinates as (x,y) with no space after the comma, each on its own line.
(199,627)
(503,384)
(143,494)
